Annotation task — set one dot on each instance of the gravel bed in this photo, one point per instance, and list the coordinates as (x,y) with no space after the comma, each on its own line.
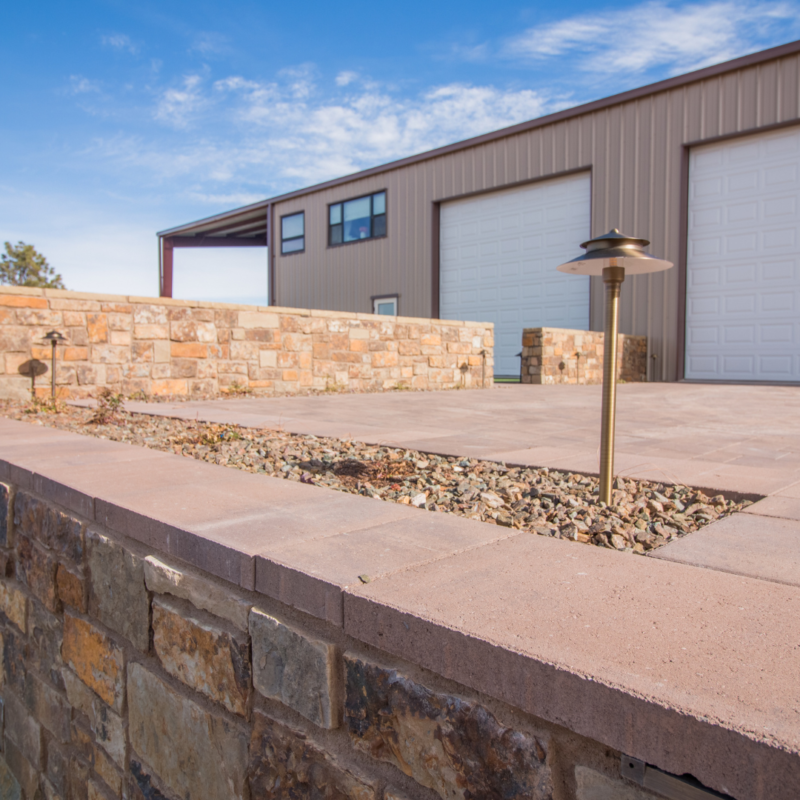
(643,515)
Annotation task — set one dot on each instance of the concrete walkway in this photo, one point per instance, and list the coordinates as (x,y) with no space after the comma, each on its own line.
(737,439)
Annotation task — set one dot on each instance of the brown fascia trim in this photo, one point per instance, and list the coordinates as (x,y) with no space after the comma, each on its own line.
(735,64)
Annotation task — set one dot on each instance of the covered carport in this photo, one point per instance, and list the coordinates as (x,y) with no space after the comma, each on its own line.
(250,226)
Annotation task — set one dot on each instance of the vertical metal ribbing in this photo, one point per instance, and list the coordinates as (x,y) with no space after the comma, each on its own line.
(613,278)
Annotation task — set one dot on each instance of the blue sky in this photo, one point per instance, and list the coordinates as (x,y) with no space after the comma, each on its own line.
(122,119)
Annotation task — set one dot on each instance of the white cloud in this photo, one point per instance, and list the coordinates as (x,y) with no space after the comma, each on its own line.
(80,85)
(119,41)
(308,139)
(210,44)
(228,199)
(657,34)
(177,106)
(345,78)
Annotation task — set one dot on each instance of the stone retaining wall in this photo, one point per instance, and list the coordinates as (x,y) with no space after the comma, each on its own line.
(561,355)
(127,674)
(159,346)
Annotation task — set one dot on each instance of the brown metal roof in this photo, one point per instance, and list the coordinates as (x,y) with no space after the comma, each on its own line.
(230,223)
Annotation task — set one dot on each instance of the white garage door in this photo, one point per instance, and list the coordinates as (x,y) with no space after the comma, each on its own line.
(498,259)
(743,287)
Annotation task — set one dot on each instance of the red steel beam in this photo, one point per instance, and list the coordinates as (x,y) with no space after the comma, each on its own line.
(166,267)
(218,241)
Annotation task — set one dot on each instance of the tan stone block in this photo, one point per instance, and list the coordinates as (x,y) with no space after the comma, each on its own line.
(202,653)
(245,351)
(95,659)
(74,319)
(119,337)
(78,337)
(150,332)
(197,314)
(13,361)
(258,319)
(142,352)
(386,359)
(408,347)
(16,301)
(436,361)
(18,339)
(161,352)
(207,756)
(289,375)
(359,333)
(71,588)
(117,308)
(305,360)
(110,354)
(119,322)
(167,387)
(74,353)
(97,326)
(359,346)
(150,314)
(14,604)
(192,331)
(267,358)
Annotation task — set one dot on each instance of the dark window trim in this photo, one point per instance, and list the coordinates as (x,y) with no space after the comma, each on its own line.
(294,238)
(377,297)
(347,200)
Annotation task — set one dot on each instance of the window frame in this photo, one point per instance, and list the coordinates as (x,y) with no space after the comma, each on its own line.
(382,298)
(293,238)
(370,195)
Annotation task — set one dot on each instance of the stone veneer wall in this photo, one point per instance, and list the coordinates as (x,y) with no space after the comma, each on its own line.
(160,346)
(128,675)
(561,355)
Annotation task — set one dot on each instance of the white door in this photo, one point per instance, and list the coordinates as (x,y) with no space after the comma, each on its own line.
(743,281)
(498,259)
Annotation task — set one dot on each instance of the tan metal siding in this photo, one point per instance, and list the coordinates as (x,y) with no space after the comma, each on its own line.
(635,152)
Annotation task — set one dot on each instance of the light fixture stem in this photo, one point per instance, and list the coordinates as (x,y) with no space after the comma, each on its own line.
(53,373)
(613,278)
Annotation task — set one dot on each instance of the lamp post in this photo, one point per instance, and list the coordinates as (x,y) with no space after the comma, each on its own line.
(54,337)
(612,256)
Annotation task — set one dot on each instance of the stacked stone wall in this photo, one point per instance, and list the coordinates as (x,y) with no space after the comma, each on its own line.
(561,355)
(128,675)
(158,346)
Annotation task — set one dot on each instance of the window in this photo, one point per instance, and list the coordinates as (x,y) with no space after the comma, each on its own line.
(293,233)
(362,218)
(386,305)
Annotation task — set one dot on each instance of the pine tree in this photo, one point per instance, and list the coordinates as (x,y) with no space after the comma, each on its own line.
(23,266)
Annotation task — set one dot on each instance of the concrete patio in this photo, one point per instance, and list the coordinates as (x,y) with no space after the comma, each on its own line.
(735,439)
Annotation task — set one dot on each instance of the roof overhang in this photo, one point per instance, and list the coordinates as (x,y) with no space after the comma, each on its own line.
(241,227)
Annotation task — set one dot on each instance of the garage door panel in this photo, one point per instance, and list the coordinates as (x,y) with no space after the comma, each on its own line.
(525,233)
(743,291)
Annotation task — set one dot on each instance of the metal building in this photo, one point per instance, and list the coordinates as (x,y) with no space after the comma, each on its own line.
(705,165)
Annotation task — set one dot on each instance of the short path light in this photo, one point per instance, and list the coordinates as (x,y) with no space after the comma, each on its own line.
(55,338)
(612,256)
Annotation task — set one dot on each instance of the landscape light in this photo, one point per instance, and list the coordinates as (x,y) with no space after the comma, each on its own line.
(54,337)
(611,256)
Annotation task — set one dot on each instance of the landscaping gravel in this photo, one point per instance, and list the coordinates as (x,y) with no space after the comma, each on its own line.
(643,515)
